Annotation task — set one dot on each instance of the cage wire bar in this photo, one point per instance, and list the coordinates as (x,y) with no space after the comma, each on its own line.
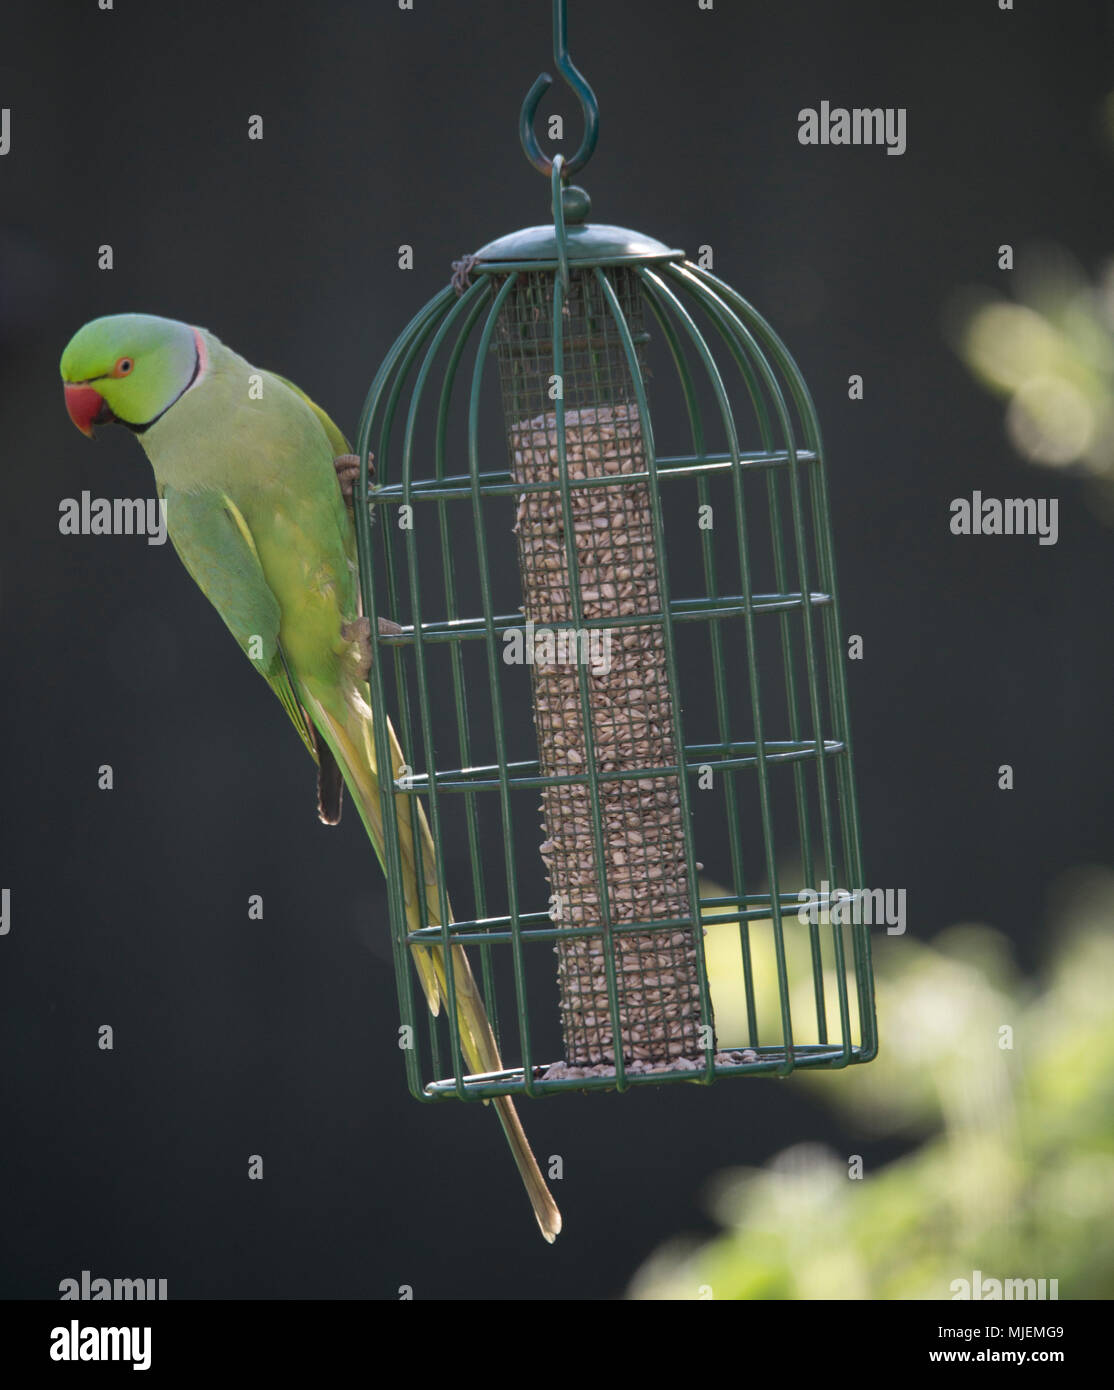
(567,311)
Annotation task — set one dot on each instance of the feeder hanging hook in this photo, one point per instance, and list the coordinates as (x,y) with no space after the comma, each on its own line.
(584,94)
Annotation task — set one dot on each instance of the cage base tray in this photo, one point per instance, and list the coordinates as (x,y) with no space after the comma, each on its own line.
(725,1062)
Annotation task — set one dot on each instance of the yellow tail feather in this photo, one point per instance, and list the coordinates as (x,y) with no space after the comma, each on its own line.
(352,744)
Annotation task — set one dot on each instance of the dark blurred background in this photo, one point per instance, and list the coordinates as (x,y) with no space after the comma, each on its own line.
(385,127)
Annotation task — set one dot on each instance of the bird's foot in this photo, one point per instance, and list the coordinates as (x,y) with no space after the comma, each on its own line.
(348,470)
(358,633)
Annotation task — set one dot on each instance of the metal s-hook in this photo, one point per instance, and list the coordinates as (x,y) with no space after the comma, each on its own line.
(584,94)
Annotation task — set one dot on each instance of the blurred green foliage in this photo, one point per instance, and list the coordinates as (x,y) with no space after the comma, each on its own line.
(1007,1083)
(1049,351)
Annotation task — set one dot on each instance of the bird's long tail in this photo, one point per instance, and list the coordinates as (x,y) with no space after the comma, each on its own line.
(349,734)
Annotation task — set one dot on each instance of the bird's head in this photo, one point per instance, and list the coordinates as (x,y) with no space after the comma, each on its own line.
(130,368)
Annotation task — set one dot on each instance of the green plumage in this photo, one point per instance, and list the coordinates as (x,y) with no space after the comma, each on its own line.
(245,462)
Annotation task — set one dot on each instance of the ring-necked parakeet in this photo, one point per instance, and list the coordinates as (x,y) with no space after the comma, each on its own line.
(247,466)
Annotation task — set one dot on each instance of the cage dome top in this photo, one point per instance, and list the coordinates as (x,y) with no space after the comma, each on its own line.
(596,243)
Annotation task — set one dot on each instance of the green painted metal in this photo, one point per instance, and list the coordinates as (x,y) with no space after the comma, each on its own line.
(594,243)
(585,96)
(749,441)
(708,333)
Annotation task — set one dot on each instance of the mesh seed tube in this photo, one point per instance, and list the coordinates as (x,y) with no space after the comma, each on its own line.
(600,685)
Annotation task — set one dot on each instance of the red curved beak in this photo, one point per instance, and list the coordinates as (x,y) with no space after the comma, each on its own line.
(86,407)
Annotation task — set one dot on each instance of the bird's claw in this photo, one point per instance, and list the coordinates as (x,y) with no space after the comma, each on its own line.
(348,470)
(358,632)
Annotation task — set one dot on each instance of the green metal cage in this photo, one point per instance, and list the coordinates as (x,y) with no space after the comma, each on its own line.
(686,688)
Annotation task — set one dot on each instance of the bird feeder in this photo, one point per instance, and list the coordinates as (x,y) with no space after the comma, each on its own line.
(613,659)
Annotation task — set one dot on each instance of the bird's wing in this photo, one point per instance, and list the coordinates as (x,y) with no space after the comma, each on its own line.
(336,438)
(339,445)
(215,544)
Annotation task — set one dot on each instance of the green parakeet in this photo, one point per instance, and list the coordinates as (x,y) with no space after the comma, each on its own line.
(245,463)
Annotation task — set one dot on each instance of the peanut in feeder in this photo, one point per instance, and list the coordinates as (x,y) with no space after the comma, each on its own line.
(572,313)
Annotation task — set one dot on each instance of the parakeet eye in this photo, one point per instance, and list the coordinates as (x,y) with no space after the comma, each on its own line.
(123,367)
